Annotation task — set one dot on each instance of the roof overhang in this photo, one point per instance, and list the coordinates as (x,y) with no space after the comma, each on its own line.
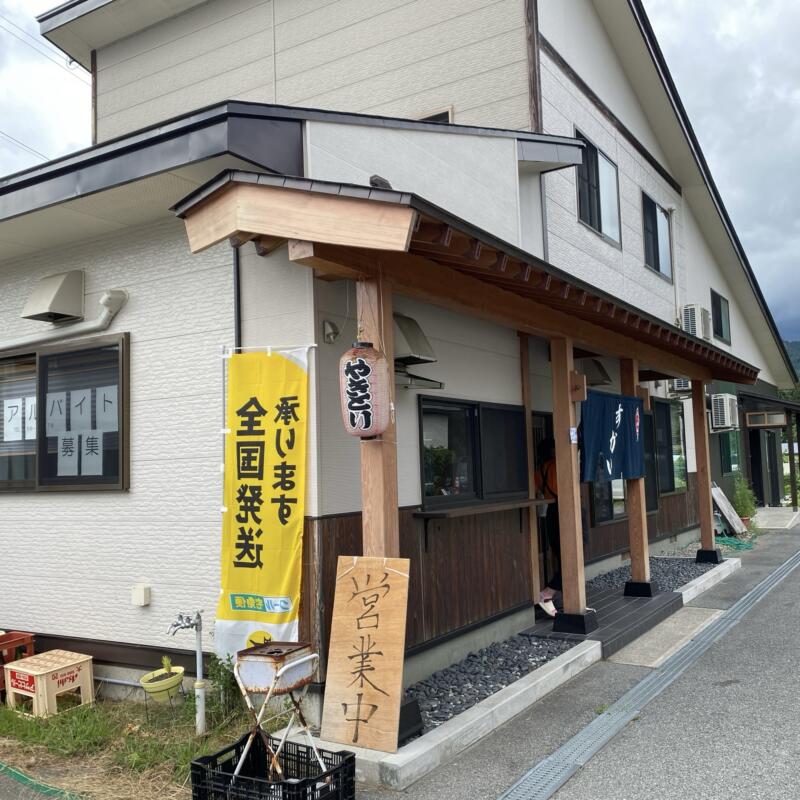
(136,178)
(79,26)
(347,231)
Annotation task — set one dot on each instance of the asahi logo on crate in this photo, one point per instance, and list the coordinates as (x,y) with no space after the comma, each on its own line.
(22,681)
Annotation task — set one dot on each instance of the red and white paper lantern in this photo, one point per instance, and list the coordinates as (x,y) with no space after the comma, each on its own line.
(364,389)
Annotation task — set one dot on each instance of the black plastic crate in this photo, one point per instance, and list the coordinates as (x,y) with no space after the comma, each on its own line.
(212,775)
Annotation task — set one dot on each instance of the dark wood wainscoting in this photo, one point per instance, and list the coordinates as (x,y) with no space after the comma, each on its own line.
(676,513)
(463,570)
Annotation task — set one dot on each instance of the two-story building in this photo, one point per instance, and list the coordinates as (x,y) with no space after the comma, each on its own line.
(545,220)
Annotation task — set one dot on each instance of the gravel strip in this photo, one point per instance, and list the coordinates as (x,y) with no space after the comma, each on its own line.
(460,686)
(669,573)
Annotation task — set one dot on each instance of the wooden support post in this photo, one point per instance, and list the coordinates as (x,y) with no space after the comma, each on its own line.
(707,552)
(380,518)
(639,585)
(792,466)
(575,619)
(533,519)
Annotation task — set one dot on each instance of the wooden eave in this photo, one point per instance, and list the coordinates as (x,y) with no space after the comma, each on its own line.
(345,231)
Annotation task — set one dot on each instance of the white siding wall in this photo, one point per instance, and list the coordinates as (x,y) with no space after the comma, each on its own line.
(213,52)
(70,558)
(277,309)
(474,177)
(385,57)
(575,247)
(476,361)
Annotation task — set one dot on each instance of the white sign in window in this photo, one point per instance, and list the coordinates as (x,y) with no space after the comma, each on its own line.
(106,408)
(56,413)
(30,417)
(68,450)
(12,419)
(92,453)
(80,410)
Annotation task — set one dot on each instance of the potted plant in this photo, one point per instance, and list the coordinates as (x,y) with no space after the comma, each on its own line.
(743,500)
(163,684)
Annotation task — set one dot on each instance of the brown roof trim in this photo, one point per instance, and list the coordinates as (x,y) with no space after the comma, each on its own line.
(534,70)
(454,242)
(608,113)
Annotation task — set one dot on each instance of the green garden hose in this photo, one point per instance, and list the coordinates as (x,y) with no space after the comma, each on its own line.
(734,543)
(33,785)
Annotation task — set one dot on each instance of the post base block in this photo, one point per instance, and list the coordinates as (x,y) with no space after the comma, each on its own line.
(576,623)
(641,589)
(709,556)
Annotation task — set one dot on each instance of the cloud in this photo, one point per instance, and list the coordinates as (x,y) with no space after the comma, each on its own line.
(42,104)
(736,66)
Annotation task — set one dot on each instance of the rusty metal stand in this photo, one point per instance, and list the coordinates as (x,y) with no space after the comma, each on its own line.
(259,719)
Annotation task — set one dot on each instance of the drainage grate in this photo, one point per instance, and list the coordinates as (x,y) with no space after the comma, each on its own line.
(544,780)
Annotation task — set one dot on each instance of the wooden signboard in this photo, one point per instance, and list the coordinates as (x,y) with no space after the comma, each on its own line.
(727,511)
(364,683)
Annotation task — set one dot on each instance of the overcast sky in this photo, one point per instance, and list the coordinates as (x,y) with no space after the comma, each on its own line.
(736,64)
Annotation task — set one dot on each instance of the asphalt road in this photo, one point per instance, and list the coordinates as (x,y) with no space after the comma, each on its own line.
(729,727)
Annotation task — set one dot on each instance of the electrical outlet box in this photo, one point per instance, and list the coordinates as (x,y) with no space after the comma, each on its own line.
(140,594)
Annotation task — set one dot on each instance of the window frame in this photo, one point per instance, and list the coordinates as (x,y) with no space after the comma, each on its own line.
(478,497)
(598,152)
(599,523)
(726,436)
(122,341)
(661,491)
(727,314)
(657,269)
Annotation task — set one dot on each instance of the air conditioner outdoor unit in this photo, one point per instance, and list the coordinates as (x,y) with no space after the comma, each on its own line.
(724,411)
(681,386)
(697,320)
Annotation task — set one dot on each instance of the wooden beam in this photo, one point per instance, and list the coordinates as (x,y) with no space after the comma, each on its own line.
(569,502)
(577,386)
(306,253)
(643,393)
(295,214)
(380,517)
(533,519)
(635,498)
(268,244)
(424,279)
(705,507)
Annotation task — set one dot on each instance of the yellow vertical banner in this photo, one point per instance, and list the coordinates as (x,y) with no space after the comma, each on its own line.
(264,499)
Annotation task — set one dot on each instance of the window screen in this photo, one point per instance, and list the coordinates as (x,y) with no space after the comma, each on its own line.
(504,452)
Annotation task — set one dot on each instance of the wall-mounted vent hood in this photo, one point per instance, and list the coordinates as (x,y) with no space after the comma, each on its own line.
(57,298)
(595,372)
(411,346)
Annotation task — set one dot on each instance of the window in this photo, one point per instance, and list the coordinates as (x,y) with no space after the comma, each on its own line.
(445,115)
(472,452)
(657,249)
(650,467)
(608,500)
(504,452)
(720,317)
(729,451)
(598,195)
(670,446)
(64,417)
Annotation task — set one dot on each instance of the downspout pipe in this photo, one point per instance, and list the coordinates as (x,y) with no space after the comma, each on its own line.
(237,301)
(111,301)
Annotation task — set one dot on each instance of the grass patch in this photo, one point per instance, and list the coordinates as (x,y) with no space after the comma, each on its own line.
(134,738)
(601,709)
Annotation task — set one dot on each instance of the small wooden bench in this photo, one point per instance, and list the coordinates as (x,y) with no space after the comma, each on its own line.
(45,676)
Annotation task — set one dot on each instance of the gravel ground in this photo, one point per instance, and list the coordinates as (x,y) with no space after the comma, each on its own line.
(460,686)
(669,573)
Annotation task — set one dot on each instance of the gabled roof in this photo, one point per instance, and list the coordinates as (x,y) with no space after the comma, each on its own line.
(634,40)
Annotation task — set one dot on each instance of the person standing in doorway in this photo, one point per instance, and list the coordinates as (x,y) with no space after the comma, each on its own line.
(547,483)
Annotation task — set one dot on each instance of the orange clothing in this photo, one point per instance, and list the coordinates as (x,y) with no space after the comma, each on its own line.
(546,479)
